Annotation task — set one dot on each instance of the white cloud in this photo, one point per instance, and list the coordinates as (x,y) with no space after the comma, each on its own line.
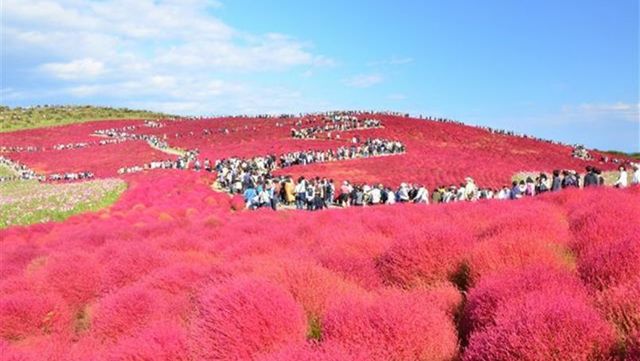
(363,80)
(75,69)
(173,52)
(604,111)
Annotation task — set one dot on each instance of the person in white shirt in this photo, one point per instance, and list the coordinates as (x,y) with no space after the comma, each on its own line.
(375,195)
(622,179)
(636,174)
(470,189)
(422,196)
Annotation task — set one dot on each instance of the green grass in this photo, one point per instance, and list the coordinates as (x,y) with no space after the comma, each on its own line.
(6,172)
(29,202)
(12,119)
(623,154)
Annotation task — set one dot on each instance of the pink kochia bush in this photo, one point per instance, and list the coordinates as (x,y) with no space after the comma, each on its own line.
(61,274)
(611,264)
(126,312)
(159,342)
(429,254)
(495,292)
(543,327)
(394,326)
(27,314)
(243,318)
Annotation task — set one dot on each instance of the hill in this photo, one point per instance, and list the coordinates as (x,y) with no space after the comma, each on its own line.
(179,269)
(12,119)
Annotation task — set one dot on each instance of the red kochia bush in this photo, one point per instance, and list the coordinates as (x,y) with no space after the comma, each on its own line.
(244,317)
(327,351)
(543,327)
(124,263)
(513,286)
(611,264)
(621,305)
(428,255)
(511,250)
(396,326)
(27,313)
(126,312)
(159,342)
(602,217)
(310,284)
(74,276)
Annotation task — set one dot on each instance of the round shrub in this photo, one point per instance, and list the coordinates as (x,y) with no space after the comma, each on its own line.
(611,264)
(395,326)
(75,277)
(326,351)
(429,256)
(27,313)
(158,342)
(244,317)
(126,312)
(494,292)
(543,327)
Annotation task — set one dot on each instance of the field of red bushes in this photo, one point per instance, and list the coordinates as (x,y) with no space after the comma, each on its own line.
(176,271)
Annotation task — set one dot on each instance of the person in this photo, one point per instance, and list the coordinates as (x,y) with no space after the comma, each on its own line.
(556,183)
(541,186)
(515,191)
(636,174)
(250,197)
(590,179)
(300,190)
(271,194)
(598,173)
(422,195)
(436,195)
(310,196)
(530,187)
(470,189)
(289,193)
(403,193)
(622,181)
(375,195)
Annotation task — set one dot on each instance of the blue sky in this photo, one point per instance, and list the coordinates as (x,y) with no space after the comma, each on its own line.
(566,70)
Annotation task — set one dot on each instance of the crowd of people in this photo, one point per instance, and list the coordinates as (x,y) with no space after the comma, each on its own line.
(337,123)
(123,134)
(22,172)
(249,176)
(263,190)
(579,151)
(181,162)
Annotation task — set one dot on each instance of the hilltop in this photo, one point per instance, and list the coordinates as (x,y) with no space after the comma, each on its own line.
(18,118)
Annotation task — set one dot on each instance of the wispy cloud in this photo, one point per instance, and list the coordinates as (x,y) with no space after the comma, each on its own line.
(394,60)
(75,69)
(154,51)
(604,111)
(363,80)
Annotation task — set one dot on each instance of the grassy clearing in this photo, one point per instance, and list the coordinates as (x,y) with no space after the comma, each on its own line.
(29,202)
(18,118)
(5,171)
